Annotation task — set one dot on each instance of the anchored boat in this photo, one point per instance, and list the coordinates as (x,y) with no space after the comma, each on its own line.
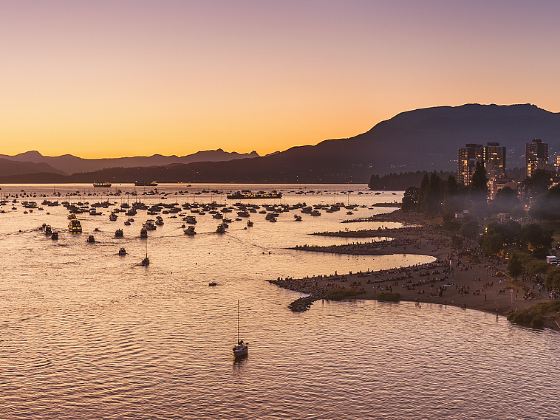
(241,349)
(75,226)
(102,185)
(249,195)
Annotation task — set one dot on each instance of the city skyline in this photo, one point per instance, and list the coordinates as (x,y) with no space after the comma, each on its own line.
(138,78)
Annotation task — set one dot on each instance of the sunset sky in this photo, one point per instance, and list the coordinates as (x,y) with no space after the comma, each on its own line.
(135,77)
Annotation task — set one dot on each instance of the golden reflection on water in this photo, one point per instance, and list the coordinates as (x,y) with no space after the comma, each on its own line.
(88,334)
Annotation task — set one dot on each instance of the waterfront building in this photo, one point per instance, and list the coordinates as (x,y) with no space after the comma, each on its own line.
(536,157)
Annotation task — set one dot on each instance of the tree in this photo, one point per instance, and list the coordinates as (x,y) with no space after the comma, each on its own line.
(425,183)
(510,232)
(451,188)
(538,183)
(479,179)
(537,238)
(552,281)
(506,201)
(492,243)
(410,199)
(431,194)
(434,196)
(533,267)
(515,267)
(373,181)
(547,206)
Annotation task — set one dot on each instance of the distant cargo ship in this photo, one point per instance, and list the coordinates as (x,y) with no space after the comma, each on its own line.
(145,184)
(102,185)
(249,195)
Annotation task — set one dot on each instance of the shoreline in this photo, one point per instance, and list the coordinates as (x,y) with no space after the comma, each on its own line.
(465,278)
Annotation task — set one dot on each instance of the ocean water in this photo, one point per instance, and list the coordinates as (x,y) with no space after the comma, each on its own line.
(85,333)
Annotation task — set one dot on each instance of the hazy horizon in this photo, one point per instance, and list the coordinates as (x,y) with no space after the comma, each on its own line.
(175,77)
(156,153)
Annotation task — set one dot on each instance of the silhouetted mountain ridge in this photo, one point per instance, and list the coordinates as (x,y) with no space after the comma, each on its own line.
(422,139)
(70,164)
(10,168)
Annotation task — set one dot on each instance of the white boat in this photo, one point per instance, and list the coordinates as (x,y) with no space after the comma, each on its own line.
(241,349)
(102,185)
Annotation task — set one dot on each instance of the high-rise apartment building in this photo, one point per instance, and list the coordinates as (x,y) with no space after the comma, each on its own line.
(468,157)
(492,156)
(495,159)
(536,156)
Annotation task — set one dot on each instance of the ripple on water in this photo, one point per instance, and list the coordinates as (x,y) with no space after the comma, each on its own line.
(86,334)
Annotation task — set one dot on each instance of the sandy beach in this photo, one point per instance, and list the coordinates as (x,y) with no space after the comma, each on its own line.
(461,277)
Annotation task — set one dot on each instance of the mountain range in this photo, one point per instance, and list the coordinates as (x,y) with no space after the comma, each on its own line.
(422,139)
(70,164)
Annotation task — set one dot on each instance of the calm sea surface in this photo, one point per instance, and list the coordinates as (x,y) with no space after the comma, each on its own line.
(85,333)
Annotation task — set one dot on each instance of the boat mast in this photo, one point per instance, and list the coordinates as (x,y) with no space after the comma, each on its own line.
(237,320)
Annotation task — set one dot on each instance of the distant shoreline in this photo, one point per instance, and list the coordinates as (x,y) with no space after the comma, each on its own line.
(464,278)
(2,182)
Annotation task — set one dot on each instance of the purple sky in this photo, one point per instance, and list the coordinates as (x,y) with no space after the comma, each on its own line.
(106,78)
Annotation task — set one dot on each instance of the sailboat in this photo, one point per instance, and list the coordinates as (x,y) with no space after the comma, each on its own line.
(146,260)
(241,349)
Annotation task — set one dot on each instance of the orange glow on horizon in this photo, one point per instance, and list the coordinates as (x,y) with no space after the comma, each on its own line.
(106,79)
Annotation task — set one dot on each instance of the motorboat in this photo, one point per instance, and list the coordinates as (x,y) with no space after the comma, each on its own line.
(189,231)
(150,224)
(122,252)
(75,226)
(271,217)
